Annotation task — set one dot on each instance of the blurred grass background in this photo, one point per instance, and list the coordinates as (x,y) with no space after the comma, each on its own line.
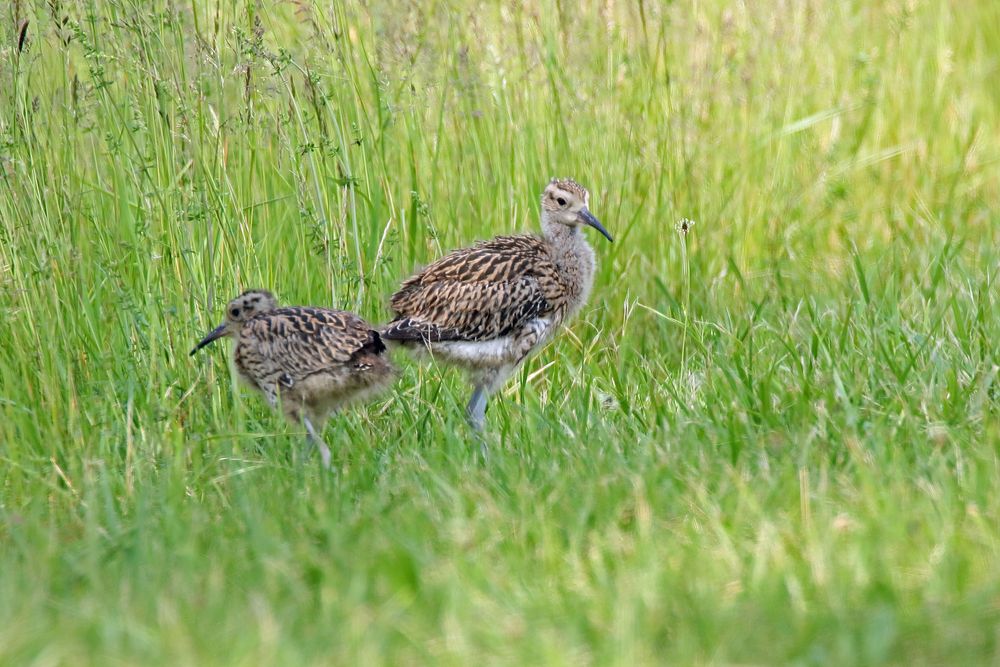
(772,440)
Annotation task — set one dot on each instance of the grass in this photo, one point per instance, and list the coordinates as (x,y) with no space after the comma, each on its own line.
(772,440)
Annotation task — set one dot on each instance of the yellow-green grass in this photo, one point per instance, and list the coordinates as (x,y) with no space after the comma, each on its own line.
(772,440)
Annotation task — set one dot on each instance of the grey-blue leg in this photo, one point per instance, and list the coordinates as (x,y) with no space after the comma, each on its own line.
(314,439)
(475,411)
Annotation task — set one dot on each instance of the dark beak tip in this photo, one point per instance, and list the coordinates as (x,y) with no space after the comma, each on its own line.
(591,221)
(212,336)
(604,233)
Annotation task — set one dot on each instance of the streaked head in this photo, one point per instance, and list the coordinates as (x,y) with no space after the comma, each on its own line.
(565,202)
(249,304)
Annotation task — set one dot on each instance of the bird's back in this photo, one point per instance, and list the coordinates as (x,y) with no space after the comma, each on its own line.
(486,291)
(286,345)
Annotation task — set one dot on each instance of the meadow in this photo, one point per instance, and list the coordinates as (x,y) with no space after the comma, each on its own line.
(772,439)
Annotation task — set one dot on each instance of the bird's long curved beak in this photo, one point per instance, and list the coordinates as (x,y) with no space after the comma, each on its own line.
(588,219)
(216,333)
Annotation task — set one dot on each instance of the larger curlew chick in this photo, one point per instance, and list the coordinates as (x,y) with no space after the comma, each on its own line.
(486,308)
(312,360)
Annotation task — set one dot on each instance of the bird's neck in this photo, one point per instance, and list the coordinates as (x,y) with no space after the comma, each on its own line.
(575,258)
(562,236)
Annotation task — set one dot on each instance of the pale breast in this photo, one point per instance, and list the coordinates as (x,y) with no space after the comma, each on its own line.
(576,266)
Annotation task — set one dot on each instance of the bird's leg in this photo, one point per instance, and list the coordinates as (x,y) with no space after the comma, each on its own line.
(315,440)
(475,411)
(270,392)
(486,385)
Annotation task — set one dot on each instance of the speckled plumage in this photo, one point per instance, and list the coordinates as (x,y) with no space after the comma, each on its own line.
(487,291)
(487,307)
(312,361)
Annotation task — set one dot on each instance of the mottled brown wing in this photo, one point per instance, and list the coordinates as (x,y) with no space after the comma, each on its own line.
(480,293)
(289,344)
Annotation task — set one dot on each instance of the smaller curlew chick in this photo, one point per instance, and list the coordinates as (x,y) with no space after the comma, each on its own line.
(487,307)
(312,360)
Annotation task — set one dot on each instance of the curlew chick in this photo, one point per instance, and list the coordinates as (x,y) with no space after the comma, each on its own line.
(312,360)
(487,307)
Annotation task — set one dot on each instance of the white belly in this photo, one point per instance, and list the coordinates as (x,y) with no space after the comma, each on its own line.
(477,354)
(498,352)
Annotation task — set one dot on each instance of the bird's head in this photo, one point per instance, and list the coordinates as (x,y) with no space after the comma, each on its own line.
(564,202)
(249,304)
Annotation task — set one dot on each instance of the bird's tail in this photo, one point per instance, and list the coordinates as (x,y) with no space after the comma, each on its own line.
(408,330)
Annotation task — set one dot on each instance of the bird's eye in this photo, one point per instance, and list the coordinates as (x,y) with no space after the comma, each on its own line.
(562,202)
(235,312)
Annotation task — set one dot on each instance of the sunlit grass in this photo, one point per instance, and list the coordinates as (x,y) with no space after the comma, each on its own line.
(773,439)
